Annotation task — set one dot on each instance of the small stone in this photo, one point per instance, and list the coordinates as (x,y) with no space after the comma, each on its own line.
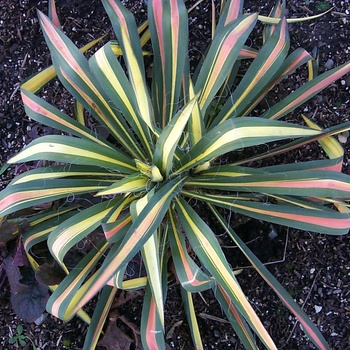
(329,64)
(273,234)
(40,320)
(343,137)
(318,309)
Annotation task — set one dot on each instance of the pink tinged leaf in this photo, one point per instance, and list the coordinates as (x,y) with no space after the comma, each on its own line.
(151,329)
(327,184)
(121,18)
(64,51)
(157,7)
(336,167)
(64,294)
(60,46)
(300,317)
(110,230)
(247,53)
(311,91)
(15,198)
(274,284)
(226,48)
(313,220)
(53,14)
(280,45)
(37,108)
(191,276)
(304,55)
(233,11)
(134,236)
(158,19)
(275,13)
(236,314)
(175,30)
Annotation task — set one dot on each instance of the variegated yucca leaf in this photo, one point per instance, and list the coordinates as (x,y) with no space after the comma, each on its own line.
(221,56)
(192,318)
(169,34)
(207,248)
(237,133)
(99,317)
(125,28)
(264,69)
(310,329)
(73,70)
(150,253)
(178,138)
(237,321)
(59,148)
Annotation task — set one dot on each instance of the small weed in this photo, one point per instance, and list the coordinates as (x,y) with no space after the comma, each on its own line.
(322,6)
(19,339)
(66,343)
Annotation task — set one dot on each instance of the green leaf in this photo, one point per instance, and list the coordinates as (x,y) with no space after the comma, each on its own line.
(166,144)
(307,216)
(99,317)
(238,133)
(110,74)
(308,326)
(126,31)
(77,295)
(73,71)
(190,275)
(169,33)
(208,250)
(72,150)
(192,319)
(24,195)
(221,56)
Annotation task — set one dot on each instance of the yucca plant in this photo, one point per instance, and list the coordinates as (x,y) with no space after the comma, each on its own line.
(165,144)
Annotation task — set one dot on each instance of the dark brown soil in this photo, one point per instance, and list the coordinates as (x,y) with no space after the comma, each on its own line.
(314,268)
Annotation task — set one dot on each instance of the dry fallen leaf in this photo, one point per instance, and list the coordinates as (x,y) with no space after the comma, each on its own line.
(115,339)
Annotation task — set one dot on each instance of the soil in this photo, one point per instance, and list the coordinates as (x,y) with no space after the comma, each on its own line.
(314,268)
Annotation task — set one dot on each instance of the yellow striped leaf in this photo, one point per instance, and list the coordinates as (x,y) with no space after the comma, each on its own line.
(205,245)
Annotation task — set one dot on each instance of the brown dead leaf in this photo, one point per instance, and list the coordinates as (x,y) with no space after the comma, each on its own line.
(115,338)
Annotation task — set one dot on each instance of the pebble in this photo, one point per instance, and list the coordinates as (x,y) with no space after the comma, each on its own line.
(329,64)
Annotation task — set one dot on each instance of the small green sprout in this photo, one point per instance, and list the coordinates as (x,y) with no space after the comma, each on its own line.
(19,339)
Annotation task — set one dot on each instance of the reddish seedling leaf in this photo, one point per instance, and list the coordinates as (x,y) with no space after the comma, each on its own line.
(8,231)
(28,300)
(20,258)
